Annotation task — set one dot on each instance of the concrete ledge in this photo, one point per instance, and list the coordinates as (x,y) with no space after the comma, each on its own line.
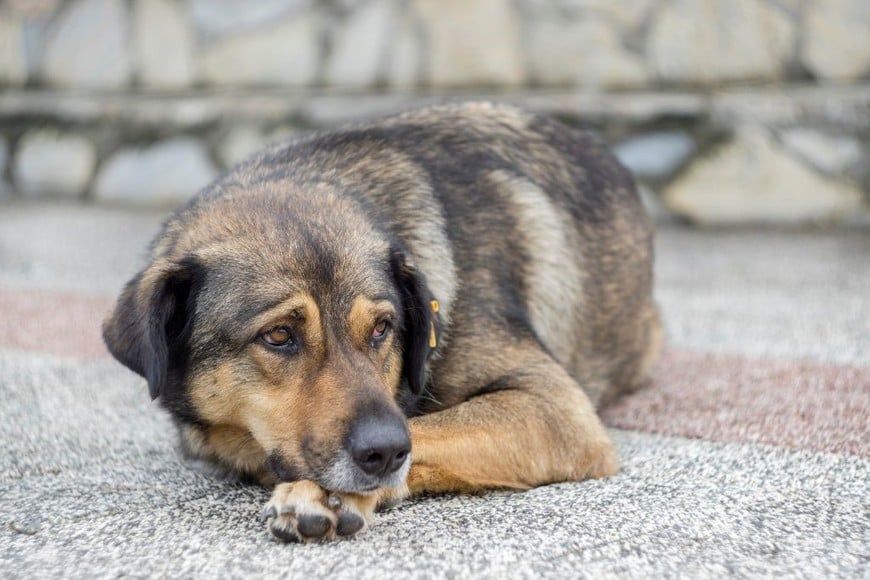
(834,106)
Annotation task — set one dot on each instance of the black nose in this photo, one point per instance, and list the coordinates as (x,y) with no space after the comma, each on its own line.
(379,446)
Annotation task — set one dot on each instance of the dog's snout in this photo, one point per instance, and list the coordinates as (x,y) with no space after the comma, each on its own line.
(379,446)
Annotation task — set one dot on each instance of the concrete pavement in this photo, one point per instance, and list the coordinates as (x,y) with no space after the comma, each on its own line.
(749,455)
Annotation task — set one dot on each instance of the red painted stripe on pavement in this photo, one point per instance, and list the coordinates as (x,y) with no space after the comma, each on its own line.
(53,323)
(795,404)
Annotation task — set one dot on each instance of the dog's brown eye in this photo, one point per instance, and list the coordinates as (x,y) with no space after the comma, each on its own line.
(380,330)
(278,336)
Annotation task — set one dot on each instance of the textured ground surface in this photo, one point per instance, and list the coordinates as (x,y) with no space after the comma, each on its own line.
(749,456)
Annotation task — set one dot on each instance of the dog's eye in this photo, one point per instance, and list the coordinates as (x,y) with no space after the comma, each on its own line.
(380,330)
(279,337)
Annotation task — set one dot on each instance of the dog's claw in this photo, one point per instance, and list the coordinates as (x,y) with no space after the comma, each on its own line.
(334,502)
(268,512)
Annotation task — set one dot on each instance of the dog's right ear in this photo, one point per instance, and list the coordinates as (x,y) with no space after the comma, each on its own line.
(152,321)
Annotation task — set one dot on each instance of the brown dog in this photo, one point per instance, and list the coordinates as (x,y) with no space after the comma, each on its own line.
(434,302)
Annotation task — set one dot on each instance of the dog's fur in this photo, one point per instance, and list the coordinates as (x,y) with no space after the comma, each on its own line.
(529,235)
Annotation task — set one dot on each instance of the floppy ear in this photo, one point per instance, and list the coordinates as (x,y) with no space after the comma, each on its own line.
(152,321)
(417,321)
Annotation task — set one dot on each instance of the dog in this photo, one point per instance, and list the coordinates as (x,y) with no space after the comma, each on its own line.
(434,302)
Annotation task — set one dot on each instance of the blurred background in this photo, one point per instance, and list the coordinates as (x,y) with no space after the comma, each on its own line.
(728,111)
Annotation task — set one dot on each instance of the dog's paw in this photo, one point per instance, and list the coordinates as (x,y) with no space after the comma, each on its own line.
(303,512)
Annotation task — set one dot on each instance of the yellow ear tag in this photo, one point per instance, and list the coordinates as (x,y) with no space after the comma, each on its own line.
(433,340)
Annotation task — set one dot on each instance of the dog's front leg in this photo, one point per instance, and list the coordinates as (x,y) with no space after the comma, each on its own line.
(302,511)
(534,425)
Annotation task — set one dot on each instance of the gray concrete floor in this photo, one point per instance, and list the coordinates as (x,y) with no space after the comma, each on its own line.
(91,483)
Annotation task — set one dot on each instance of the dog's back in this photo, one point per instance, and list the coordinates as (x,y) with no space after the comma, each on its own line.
(510,216)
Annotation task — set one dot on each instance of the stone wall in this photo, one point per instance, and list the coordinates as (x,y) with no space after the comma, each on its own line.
(727,110)
(365,44)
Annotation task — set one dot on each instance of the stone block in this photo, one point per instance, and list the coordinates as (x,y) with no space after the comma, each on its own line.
(831,154)
(283,132)
(33,9)
(404,53)
(13,66)
(471,43)
(167,173)
(359,44)
(751,180)
(4,154)
(23,27)
(219,17)
(653,205)
(283,53)
(88,46)
(239,143)
(836,40)
(627,14)
(34,39)
(51,163)
(657,155)
(163,44)
(4,157)
(713,41)
(585,51)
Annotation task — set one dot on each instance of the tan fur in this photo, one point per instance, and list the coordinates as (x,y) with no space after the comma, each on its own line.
(516,438)
(364,314)
(554,275)
(228,446)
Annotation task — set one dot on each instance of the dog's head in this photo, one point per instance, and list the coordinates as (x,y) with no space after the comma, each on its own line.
(279,333)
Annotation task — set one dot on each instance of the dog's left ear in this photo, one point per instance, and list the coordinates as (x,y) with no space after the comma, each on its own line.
(418,321)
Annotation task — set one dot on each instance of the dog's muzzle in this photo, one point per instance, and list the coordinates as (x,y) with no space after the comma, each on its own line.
(375,453)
